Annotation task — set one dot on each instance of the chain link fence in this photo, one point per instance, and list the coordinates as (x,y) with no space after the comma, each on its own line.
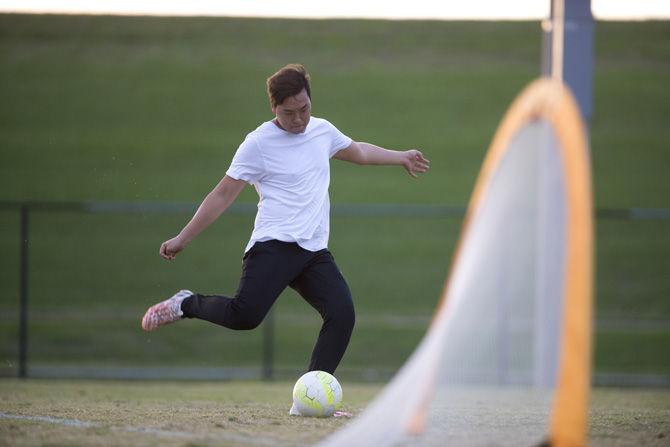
(76,278)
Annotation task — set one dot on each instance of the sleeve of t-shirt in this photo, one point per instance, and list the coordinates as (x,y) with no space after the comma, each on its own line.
(338,140)
(247,163)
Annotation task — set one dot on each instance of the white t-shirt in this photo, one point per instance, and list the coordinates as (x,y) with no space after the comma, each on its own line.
(291,173)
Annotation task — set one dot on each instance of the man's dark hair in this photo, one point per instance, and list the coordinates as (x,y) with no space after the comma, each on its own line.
(287,82)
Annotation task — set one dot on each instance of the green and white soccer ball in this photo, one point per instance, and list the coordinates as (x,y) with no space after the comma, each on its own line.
(318,394)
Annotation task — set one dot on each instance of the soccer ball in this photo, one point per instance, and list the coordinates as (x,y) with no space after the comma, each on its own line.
(317,393)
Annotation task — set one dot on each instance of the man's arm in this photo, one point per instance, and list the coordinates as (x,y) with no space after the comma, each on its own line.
(369,154)
(216,202)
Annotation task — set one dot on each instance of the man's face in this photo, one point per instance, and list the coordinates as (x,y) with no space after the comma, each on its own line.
(293,114)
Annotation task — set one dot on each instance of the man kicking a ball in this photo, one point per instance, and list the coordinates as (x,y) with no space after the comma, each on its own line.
(288,162)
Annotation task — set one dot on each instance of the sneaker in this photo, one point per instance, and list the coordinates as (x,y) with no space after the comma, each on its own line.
(343,414)
(338,414)
(165,312)
(294,411)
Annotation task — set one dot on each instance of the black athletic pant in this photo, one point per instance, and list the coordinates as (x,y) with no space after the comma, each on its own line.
(267,269)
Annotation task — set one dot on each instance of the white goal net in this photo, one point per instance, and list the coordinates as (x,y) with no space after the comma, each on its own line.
(506,359)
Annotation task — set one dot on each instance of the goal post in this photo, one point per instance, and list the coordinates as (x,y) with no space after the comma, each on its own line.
(551,101)
(506,359)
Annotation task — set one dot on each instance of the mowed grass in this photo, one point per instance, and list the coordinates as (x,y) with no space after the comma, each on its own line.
(152,109)
(240,414)
(163,413)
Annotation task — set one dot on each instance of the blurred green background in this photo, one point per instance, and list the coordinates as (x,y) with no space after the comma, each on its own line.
(153,109)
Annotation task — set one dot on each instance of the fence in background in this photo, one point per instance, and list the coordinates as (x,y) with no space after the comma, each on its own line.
(27,211)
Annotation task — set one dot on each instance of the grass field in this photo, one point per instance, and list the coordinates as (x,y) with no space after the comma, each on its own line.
(240,414)
(152,109)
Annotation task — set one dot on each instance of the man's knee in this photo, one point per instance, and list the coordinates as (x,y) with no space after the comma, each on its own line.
(342,315)
(245,318)
(247,323)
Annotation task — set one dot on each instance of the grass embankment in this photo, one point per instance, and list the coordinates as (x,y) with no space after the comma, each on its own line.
(146,109)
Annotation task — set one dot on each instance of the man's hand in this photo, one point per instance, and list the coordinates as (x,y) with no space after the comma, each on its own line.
(171,247)
(414,162)
(368,154)
(216,202)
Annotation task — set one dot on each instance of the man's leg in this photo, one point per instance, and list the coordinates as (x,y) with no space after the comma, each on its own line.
(322,285)
(266,271)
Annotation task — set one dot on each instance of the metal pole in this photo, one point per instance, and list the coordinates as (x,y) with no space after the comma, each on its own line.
(567,52)
(268,345)
(23,296)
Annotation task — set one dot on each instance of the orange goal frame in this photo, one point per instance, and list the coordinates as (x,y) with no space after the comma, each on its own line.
(549,100)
